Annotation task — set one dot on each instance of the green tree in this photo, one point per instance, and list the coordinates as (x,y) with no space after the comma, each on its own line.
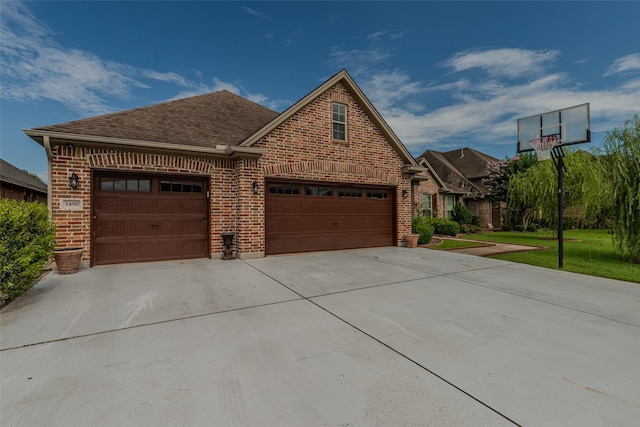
(500,174)
(622,163)
(535,191)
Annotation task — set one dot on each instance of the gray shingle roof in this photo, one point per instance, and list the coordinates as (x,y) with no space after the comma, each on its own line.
(13,175)
(460,169)
(204,120)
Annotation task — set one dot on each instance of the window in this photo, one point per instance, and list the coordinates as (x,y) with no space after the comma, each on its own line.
(315,190)
(377,194)
(284,189)
(339,122)
(349,192)
(426,205)
(180,187)
(121,184)
(449,203)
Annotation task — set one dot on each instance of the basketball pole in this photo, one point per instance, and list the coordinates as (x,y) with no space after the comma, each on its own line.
(557,155)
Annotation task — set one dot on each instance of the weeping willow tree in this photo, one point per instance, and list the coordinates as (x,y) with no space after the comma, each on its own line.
(587,193)
(622,163)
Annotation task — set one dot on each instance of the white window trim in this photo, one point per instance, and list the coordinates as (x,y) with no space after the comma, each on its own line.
(342,123)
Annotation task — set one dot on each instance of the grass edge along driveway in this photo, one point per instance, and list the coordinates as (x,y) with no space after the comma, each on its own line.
(585,251)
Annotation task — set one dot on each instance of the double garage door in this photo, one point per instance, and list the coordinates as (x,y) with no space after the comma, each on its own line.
(145,217)
(303,217)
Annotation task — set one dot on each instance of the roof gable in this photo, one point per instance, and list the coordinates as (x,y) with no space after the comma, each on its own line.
(344,78)
(472,164)
(452,178)
(217,118)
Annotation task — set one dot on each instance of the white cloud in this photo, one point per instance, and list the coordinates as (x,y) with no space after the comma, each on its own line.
(36,68)
(507,62)
(484,110)
(625,64)
(255,13)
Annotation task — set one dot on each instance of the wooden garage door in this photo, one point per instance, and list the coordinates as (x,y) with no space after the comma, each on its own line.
(303,217)
(149,218)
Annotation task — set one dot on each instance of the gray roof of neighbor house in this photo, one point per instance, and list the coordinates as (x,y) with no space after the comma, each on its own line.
(218,118)
(13,175)
(461,170)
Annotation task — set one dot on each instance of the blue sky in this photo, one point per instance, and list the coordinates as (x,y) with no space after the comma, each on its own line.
(444,75)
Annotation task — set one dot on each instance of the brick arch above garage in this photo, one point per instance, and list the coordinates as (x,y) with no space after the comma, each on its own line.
(117,159)
(303,169)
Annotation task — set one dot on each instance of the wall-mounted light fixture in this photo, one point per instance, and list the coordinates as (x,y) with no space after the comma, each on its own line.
(73,181)
(405,193)
(255,187)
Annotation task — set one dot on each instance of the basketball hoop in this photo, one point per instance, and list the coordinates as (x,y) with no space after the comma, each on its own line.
(544,146)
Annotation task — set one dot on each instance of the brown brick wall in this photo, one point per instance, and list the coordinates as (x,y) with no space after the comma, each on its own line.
(303,148)
(15,192)
(73,227)
(300,148)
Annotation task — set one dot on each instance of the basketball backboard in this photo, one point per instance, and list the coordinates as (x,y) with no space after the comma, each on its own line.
(570,125)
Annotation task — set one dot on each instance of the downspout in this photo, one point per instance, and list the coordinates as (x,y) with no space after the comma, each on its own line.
(47,149)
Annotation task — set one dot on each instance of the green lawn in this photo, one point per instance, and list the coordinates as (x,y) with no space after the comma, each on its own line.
(457,244)
(591,254)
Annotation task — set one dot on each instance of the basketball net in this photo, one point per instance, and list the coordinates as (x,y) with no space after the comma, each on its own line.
(544,146)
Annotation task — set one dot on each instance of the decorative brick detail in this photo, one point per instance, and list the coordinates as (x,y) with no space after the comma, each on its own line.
(124,159)
(328,167)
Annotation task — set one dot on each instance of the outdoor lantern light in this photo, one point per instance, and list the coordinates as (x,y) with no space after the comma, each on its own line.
(405,193)
(73,181)
(254,185)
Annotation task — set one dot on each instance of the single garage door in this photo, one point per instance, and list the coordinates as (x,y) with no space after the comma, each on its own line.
(144,217)
(303,217)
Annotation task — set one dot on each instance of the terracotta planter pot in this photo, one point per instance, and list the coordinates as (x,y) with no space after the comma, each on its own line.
(412,240)
(68,259)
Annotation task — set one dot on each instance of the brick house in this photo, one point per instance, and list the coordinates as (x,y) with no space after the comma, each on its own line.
(17,184)
(165,181)
(457,177)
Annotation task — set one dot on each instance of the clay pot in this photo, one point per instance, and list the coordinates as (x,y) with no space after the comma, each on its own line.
(412,240)
(68,259)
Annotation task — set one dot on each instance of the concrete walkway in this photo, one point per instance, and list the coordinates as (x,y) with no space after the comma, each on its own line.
(490,249)
(372,337)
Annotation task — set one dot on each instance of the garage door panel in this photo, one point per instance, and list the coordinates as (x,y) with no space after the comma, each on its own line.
(124,226)
(150,225)
(314,221)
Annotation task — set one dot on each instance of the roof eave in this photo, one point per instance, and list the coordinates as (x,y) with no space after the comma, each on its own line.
(23,184)
(224,151)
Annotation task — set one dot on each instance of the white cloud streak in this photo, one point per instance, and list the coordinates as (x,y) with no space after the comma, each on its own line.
(625,64)
(484,107)
(507,62)
(36,68)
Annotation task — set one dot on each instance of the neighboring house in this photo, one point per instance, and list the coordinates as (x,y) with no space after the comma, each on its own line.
(458,176)
(17,184)
(165,181)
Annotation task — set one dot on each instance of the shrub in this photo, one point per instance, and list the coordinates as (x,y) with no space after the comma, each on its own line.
(27,240)
(444,226)
(467,229)
(533,227)
(461,214)
(506,227)
(420,225)
(518,227)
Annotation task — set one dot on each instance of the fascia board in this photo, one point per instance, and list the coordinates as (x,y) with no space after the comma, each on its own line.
(227,151)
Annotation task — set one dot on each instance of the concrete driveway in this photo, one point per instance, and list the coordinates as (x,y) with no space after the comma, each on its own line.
(371,337)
